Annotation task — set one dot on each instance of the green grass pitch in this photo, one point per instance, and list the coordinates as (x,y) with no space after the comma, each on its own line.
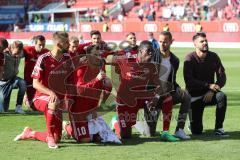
(205,147)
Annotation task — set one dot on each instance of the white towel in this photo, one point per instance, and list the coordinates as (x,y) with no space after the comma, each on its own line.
(98,125)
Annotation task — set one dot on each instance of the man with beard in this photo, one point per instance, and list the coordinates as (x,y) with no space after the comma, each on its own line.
(139,88)
(47,99)
(171,64)
(200,68)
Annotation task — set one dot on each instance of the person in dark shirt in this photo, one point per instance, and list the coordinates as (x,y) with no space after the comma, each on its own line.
(200,68)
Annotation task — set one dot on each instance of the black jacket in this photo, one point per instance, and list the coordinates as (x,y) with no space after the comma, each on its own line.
(198,74)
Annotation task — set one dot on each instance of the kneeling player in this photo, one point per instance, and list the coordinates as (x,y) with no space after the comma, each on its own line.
(134,92)
(91,81)
(46,100)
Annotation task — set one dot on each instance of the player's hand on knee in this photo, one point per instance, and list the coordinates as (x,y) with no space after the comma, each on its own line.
(53,97)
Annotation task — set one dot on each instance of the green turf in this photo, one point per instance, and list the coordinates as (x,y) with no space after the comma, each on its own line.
(202,147)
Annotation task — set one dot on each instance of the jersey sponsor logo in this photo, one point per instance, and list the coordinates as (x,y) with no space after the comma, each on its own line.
(188,27)
(230,27)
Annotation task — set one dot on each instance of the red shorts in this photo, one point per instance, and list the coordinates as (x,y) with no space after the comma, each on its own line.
(79,128)
(127,115)
(41,105)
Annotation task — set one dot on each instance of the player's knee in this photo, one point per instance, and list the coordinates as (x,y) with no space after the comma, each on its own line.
(221,97)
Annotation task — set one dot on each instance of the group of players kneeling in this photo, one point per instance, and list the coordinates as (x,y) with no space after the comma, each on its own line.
(72,77)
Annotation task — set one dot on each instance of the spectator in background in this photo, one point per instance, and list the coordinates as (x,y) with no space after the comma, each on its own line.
(9,79)
(188,12)
(153,40)
(206,4)
(19,25)
(166,27)
(198,27)
(69,3)
(141,14)
(105,27)
(73,27)
(120,17)
(81,40)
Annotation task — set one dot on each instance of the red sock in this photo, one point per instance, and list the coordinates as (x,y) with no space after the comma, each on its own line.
(50,118)
(41,136)
(117,129)
(167,112)
(58,125)
(69,130)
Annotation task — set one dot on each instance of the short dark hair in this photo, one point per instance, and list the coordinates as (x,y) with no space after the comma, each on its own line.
(38,38)
(130,33)
(166,33)
(199,34)
(144,44)
(60,35)
(3,43)
(95,32)
(93,49)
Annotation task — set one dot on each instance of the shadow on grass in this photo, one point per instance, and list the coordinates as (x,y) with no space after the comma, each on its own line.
(209,135)
(137,139)
(27,113)
(72,142)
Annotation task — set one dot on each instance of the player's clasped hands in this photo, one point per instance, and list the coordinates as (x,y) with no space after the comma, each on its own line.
(214,87)
(101,75)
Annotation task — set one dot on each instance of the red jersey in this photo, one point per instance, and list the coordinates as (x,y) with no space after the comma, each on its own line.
(46,66)
(136,78)
(31,56)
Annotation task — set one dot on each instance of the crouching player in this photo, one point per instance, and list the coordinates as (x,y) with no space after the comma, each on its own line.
(134,90)
(85,125)
(46,99)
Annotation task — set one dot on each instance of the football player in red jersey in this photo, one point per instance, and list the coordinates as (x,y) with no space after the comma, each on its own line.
(47,99)
(31,54)
(140,87)
(90,81)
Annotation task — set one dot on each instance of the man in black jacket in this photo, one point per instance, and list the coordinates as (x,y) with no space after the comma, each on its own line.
(171,65)
(200,68)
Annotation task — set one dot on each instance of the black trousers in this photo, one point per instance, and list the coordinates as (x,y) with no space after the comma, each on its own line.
(197,108)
